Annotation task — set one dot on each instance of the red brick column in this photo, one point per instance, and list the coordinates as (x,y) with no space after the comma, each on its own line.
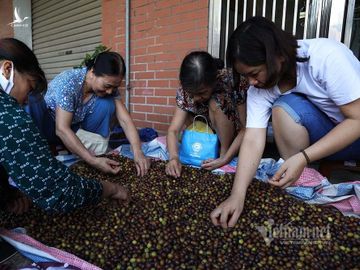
(6,17)
(162,33)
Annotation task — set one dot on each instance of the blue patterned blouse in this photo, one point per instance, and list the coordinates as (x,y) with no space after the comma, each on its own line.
(65,91)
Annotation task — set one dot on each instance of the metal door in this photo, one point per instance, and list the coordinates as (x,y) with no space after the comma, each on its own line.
(303,18)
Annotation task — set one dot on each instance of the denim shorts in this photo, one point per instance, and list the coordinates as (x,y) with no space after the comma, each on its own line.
(317,123)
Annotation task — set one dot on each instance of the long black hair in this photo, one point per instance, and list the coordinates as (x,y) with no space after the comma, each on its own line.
(259,41)
(198,70)
(107,63)
(24,61)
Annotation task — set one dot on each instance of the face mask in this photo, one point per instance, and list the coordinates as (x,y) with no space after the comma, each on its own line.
(7,85)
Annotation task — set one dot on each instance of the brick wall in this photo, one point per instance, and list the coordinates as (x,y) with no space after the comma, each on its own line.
(6,17)
(162,33)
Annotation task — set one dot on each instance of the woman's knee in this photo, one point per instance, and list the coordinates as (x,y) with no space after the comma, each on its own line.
(285,124)
(98,121)
(286,106)
(104,106)
(289,136)
(295,108)
(279,115)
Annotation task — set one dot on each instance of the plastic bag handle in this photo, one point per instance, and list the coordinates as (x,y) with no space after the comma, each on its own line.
(207,124)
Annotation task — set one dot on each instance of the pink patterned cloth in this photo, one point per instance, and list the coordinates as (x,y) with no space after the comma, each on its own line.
(312,178)
(309,178)
(62,256)
(162,139)
(348,206)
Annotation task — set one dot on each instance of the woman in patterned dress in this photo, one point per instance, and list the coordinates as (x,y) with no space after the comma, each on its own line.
(88,98)
(208,90)
(25,155)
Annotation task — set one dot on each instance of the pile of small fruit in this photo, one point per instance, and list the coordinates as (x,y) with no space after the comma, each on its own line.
(167,225)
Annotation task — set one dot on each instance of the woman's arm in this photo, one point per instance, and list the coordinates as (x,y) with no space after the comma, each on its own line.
(228,212)
(123,116)
(173,168)
(234,147)
(73,143)
(337,139)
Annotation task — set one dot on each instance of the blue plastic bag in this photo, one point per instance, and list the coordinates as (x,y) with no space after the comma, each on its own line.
(197,147)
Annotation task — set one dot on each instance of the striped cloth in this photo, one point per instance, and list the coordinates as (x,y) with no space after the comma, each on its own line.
(39,252)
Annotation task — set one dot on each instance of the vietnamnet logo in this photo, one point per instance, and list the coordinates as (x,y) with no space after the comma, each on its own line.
(18,21)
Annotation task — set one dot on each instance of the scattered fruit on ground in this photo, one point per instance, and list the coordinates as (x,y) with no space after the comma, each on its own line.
(167,225)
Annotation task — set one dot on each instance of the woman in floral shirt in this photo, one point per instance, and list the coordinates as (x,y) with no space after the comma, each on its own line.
(88,98)
(212,92)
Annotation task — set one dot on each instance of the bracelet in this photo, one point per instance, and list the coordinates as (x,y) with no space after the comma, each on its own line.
(175,158)
(306,156)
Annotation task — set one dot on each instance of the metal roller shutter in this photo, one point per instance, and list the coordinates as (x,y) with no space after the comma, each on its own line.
(64,31)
